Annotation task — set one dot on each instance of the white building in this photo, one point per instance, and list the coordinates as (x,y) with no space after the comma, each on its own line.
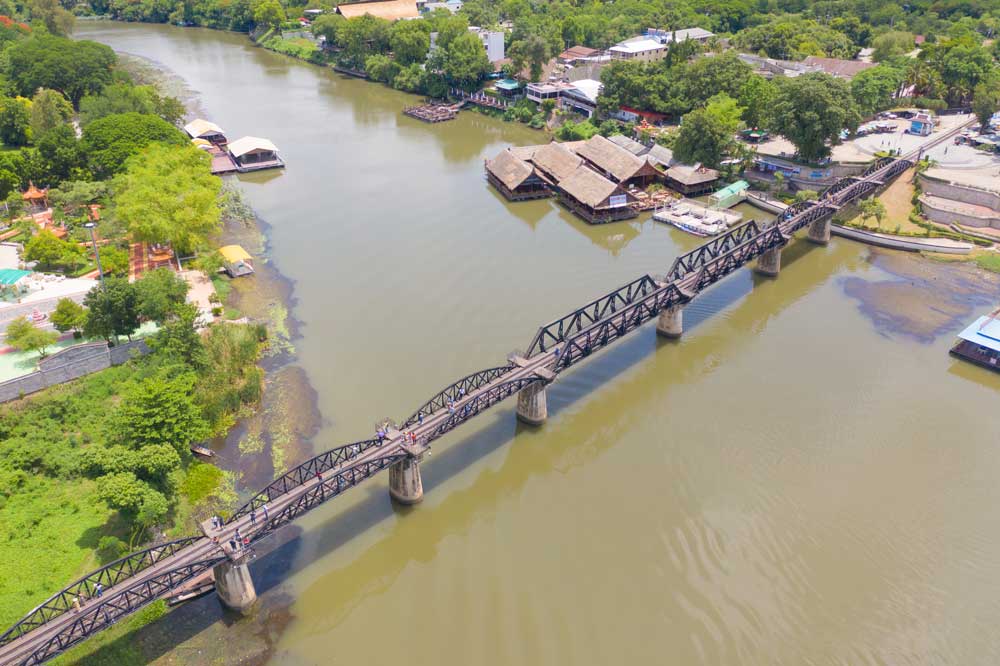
(492,42)
(668,36)
(644,49)
(579,95)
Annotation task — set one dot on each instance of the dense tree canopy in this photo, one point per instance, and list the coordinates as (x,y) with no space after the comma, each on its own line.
(811,111)
(74,68)
(167,195)
(111,140)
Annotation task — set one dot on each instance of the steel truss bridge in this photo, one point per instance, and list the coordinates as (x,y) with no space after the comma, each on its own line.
(158,571)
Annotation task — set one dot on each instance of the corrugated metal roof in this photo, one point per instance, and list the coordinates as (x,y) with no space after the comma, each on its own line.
(985,332)
(391,10)
(200,127)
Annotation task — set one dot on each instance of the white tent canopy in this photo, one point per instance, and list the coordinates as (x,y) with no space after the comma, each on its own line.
(249,144)
(200,127)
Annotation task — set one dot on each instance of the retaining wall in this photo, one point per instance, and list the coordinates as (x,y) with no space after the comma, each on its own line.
(956,192)
(70,364)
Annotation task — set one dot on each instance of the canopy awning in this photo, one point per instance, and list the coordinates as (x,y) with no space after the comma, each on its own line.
(200,127)
(248,144)
(985,332)
(9,277)
(234,254)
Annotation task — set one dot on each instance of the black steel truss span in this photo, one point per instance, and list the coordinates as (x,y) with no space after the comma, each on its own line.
(83,589)
(307,471)
(464,386)
(480,403)
(101,613)
(555,332)
(878,165)
(698,257)
(325,489)
(621,323)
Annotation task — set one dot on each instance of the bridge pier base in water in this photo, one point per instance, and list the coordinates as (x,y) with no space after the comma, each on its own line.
(670,323)
(405,484)
(769,263)
(234,585)
(819,231)
(531,405)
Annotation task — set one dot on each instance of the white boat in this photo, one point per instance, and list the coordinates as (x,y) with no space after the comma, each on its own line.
(692,220)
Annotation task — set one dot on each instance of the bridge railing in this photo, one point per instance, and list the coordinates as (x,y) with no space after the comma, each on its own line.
(480,403)
(458,390)
(581,318)
(325,489)
(698,257)
(319,464)
(84,588)
(101,613)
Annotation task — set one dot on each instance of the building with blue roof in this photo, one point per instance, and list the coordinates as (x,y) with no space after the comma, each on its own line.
(980,342)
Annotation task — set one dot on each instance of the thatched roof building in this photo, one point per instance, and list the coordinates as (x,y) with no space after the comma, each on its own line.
(692,180)
(595,198)
(615,162)
(515,178)
(554,162)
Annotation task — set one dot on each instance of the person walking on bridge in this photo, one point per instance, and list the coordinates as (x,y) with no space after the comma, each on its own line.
(253,517)
(98,590)
(263,508)
(420,417)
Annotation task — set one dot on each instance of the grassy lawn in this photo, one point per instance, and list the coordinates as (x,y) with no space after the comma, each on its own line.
(49,531)
(897,200)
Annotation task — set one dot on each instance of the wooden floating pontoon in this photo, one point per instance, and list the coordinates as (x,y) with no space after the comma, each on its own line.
(433,113)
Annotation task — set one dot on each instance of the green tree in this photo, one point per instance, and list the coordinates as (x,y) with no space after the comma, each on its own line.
(756,96)
(45,248)
(68,316)
(52,15)
(160,292)
(61,155)
(326,26)
(410,41)
(704,137)
(75,68)
(410,79)
(712,75)
(112,309)
(893,43)
(160,410)
(111,140)
(178,338)
(167,195)
(874,89)
(381,68)
(9,182)
(986,100)
(466,61)
(49,109)
(269,14)
(24,336)
(532,52)
(117,98)
(872,208)
(15,121)
(811,111)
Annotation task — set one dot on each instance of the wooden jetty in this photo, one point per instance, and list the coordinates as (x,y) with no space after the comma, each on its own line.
(433,113)
(350,72)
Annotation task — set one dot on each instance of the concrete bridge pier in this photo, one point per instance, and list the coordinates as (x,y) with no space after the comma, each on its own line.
(819,231)
(234,585)
(769,263)
(670,323)
(405,484)
(531,405)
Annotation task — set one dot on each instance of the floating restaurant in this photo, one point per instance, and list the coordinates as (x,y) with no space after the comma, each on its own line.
(205,130)
(514,178)
(980,342)
(595,198)
(252,153)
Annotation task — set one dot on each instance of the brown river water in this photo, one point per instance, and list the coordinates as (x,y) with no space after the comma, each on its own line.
(806,477)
